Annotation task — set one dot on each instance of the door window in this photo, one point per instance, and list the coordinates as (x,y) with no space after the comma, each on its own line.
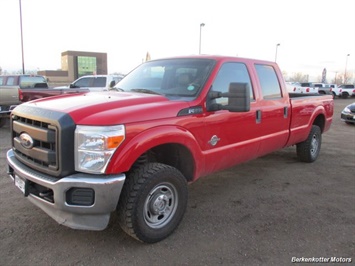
(99,82)
(269,83)
(84,82)
(231,72)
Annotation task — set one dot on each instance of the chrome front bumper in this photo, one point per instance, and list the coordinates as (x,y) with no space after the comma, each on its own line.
(106,189)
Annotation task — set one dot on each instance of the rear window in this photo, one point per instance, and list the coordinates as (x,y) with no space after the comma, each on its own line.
(269,83)
(32,82)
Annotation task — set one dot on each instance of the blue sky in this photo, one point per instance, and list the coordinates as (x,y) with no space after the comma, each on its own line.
(313,34)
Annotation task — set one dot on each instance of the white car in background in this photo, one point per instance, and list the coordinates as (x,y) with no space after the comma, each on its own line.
(293,87)
(308,87)
(94,82)
(346,90)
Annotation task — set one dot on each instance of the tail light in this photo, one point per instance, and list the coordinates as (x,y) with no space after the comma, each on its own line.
(307,90)
(20,95)
(340,90)
(294,89)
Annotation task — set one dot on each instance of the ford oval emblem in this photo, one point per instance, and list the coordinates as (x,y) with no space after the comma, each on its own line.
(26,141)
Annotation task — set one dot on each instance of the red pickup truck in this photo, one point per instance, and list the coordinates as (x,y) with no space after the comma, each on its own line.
(169,122)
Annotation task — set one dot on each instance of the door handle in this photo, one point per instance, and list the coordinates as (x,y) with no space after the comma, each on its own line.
(285,112)
(258,116)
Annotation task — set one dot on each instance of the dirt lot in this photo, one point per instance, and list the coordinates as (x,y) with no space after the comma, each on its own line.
(264,212)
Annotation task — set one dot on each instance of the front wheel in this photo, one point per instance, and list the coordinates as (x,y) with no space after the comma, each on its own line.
(152,202)
(308,150)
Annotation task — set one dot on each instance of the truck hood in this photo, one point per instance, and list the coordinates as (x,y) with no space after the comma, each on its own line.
(110,108)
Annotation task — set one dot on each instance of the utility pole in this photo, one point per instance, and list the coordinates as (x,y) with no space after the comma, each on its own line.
(23,62)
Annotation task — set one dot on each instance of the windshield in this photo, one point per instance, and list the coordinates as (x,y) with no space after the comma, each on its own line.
(180,79)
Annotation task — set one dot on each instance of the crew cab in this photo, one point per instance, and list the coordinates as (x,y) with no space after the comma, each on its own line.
(170,121)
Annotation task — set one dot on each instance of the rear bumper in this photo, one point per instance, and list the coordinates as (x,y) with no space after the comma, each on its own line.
(79,201)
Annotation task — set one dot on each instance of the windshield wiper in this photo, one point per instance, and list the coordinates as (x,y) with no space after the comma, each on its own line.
(116,89)
(145,91)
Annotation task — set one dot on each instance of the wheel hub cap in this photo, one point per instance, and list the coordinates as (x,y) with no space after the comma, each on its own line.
(160,205)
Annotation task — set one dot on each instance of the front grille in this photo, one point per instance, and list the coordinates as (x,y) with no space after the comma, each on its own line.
(43,153)
(43,140)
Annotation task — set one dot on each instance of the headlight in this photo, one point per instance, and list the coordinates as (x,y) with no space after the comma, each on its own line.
(346,110)
(94,146)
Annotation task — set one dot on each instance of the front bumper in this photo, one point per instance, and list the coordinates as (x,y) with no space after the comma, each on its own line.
(348,117)
(68,204)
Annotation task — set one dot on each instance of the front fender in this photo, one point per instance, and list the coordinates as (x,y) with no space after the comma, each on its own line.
(124,157)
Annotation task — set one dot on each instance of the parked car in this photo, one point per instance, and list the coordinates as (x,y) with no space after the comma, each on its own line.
(94,82)
(348,114)
(307,87)
(323,88)
(294,87)
(334,89)
(346,90)
(11,87)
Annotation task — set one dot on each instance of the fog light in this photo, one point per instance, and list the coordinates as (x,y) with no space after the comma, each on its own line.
(80,196)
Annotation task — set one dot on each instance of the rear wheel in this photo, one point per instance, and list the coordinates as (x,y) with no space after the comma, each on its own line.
(153,202)
(308,150)
(344,95)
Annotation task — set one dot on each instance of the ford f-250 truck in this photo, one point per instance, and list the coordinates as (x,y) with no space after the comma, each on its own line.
(170,122)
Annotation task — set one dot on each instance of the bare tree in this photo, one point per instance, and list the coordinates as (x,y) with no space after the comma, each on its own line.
(299,77)
(341,78)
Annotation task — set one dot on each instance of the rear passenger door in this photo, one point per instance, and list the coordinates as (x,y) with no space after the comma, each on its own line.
(273,112)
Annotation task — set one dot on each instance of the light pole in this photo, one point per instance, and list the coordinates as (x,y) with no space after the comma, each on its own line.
(201,25)
(277,45)
(346,66)
(23,63)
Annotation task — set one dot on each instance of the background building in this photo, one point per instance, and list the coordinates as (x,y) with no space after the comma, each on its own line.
(76,64)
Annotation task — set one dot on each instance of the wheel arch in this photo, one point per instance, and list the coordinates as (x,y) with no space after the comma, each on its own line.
(169,145)
(319,121)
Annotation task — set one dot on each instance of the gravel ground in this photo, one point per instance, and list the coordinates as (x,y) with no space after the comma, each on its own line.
(274,210)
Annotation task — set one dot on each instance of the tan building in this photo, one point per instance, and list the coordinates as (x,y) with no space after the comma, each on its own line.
(76,64)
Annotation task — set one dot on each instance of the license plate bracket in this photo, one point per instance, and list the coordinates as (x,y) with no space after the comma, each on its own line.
(21,184)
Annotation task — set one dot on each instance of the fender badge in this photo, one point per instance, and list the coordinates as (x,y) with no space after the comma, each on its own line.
(214,140)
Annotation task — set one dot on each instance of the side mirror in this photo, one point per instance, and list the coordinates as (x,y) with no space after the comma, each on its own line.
(72,86)
(112,83)
(238,98)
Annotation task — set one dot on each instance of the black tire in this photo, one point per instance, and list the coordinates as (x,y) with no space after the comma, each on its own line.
(2,121)
(152,202)
(344,95)
(308,150)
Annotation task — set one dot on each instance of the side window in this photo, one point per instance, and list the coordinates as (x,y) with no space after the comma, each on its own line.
(269,83)
(231,72)
(99,82)
(10,81)
(84,82)
(1,80)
